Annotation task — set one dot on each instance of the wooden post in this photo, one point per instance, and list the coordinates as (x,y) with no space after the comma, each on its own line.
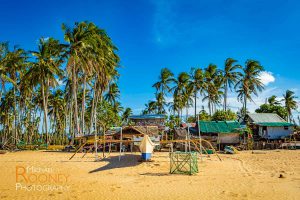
(121,138)
(199,132)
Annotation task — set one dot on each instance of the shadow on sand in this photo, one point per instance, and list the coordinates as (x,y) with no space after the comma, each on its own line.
(126,161)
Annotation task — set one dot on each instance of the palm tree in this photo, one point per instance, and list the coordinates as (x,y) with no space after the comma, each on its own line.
(273,101)
(197,83)
(151,107)
(15,61)
(230,77)
(126,114)
(91,52)
(165,79)
(45,69)
(213,79)
(181,83)
(56,107)
(188,99)
(290,103)
(112,94)
(160,103)
(3,71)
(250,82)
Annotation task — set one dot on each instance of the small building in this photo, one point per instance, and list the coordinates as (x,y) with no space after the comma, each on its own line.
(269,126)
(218,132)
(148,120)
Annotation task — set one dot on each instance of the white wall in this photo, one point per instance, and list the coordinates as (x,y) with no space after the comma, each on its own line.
(278,132)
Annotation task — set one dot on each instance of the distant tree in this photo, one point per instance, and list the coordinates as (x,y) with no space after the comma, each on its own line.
(191,119)
(268,108)
(273,101)
(204,116)
(221,115)
(173,121)
(126,114)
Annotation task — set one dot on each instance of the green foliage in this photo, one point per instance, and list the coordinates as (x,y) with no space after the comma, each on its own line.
(191,119)
(107,117)
(173,121)
(204,116)
(221,115)
(268,108)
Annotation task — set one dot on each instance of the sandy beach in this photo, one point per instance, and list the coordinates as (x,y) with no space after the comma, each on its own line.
(241,176)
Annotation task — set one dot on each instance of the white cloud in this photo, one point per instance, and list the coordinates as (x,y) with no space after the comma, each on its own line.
(266,77)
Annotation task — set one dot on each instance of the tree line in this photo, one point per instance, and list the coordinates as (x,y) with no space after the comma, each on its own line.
(212,85)
(35,106)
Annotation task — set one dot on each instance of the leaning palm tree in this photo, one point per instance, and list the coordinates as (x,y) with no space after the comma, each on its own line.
(250,82)
(44,71)
(230,77)
(290,103)
(197,82)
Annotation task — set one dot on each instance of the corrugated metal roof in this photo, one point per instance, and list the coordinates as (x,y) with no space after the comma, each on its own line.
(265,117)
(219,126)
(275,124)
(146,117)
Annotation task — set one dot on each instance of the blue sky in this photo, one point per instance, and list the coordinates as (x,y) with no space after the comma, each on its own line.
(174,34)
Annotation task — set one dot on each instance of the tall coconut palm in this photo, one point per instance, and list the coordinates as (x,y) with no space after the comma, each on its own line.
(230,77)
(197,82)
(181,83)
(290,103)
(15,62)
(91,52)
(250,82)
(45,69)
(212,87)
(188,99)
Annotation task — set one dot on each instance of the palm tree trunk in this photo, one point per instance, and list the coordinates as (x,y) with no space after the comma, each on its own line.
(225,96)
(45,112)
(15,116)
(93,107)
(74,90)
(195,104)
(245,105)
(83,104)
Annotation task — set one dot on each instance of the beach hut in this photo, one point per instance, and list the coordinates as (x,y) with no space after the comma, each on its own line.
(269,126)
(220,132)
(149,120)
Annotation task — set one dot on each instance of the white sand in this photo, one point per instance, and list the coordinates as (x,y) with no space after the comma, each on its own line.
(240,176)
